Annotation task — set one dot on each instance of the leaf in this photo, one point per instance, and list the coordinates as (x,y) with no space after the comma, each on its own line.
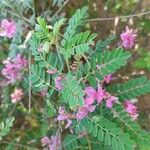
(131,89)
(70,142)
(101,45)
(104,130)
(78,44)
(110,61)
(75,21)
(72,92)
(5,126)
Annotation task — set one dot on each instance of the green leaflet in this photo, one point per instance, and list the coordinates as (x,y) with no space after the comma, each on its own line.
(39,78)
(5,126)
(109,61)
(49,61)
(78,45)
(107,132)
(130,126)
(75,21)
(131,89)
(72,92)
(43,32)
(101,45)
(70,142)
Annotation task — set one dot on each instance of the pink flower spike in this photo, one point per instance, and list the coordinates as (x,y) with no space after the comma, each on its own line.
(16,96)
(90,91)
(89,101)
(45,141)
(128,38)
(108,78)
(131,109)
(58,83)
(69,122)
(100,95)
(110,101)
(7,28)
(53,71)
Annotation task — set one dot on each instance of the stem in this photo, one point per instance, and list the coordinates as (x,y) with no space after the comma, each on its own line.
(60,8)
(120,17)
(30,83)
(20,145)
(17,13)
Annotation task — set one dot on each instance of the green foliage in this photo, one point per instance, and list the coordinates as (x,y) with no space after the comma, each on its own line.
(70,142)
(72,92)
(131,89)
(107,132)
(43,32)
(78,45)
(135,131)
(101,45)
(5,126)
(143,62)
(109,61)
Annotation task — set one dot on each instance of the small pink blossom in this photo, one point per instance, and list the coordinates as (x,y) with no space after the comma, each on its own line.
(55,143)
(58,83)
(63,116)
(17,95)
(128,38)
(110,101)
(108,78)
(84,111)
(92,95)
(131,109)
(52,143)
(13,68)
(45,141)
(53,71)
(7,28)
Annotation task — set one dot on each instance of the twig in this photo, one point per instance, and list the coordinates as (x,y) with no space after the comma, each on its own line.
(20,145)
(30,83)
(61,8)
(18,14)
(120,17)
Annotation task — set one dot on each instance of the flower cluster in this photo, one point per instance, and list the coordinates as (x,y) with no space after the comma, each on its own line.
(52,143)
(64,116)
(131,109)
(17,95)
(13,67)
(128,38)
(7,28)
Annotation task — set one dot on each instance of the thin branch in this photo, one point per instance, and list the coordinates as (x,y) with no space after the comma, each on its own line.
(17,13)
(30,83)
(120,17)
(65,3)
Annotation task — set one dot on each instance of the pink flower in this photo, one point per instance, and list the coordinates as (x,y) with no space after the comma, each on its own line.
(52,143)
(55,143)
(131,109)
(110,101)
(92,95)
(53,71)
(58,83)
(63,116)
(45,141)
(17,95)
(84,111)
(7,28)
(108,78)
(13,68)
(128,38)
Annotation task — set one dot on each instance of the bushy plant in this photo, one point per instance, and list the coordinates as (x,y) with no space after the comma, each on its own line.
(71,73)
